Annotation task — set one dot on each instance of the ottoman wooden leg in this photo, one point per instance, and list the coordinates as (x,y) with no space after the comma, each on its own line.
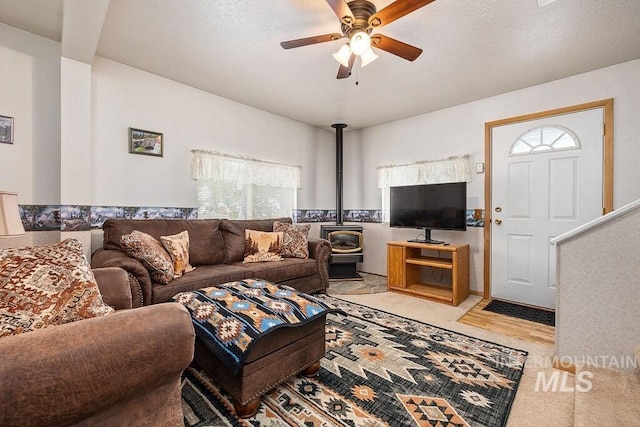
(312,370)
(248,410)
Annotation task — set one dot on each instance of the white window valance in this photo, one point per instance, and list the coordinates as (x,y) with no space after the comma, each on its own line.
(452,169)
(243,170)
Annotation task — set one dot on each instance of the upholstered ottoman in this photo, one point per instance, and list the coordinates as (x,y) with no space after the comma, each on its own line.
(251,335)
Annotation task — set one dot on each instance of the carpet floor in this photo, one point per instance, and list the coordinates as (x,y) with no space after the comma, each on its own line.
(545,317)
(380,369)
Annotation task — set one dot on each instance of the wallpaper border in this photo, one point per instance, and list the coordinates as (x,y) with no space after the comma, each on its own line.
(85,217)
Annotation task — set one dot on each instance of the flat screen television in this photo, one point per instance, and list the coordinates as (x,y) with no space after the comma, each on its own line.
(429,207)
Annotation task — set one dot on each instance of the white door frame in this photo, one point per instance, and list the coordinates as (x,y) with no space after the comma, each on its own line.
(607,167)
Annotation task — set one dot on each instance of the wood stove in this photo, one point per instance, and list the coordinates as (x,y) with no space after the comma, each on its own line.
(346,250)
(346,240)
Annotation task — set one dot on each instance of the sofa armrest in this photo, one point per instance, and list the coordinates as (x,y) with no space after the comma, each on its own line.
(139,279)
(320,250)
(63,374)
(114,286)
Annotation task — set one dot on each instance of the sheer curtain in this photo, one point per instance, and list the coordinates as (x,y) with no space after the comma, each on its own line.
(452,169)
(240,187)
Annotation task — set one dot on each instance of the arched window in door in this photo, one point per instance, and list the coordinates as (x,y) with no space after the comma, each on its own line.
(545,139)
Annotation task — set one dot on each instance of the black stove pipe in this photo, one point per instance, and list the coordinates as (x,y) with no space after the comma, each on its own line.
(338,127)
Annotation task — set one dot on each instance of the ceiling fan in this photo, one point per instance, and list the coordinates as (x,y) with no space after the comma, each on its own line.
(359,18)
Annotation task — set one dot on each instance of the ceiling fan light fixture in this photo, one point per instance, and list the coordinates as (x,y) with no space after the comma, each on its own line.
(368,57)
(343,55)
(358,19)
(360,42)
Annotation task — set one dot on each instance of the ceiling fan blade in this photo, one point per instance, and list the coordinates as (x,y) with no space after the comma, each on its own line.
(345,72)
(396,10)
(398,48)
(311,40)
(342,11)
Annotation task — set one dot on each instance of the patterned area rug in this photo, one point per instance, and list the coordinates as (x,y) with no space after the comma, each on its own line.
(379,370)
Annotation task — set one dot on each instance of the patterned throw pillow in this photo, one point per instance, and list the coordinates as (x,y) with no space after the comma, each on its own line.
(262,246)
(150,253)
(47,285)
(295,240)
(178,248)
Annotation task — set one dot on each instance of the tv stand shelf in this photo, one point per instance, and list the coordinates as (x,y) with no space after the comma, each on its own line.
(430,262)
(407,260)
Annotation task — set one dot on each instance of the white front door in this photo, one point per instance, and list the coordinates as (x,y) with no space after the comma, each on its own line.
(546,180)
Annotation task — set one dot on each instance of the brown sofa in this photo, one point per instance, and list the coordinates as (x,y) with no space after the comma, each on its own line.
(216,249)
(120,369)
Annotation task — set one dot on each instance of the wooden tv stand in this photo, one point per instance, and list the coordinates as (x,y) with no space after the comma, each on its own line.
(406,261)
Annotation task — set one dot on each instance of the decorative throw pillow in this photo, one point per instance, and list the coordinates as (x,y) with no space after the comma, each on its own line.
(47,285)
(295,239)
(150,253)
(178,248)
(262,246)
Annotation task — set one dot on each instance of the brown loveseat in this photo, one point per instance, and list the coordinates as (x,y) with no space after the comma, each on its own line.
(121,369)
(216,249)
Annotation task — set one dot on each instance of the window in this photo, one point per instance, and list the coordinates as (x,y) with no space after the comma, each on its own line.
(545,139)
(241,188)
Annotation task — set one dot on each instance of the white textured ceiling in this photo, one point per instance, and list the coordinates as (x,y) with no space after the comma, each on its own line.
(472,49)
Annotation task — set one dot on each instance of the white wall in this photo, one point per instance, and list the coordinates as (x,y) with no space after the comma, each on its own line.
(189,118)
(355,192)
(460,130)
(598,279)
(75,140)
(30,88)
(71,131)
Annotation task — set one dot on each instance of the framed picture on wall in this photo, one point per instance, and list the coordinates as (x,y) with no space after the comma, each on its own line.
(145,142)
(6,129)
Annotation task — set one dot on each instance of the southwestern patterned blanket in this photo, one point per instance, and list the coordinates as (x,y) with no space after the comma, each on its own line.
(230,318)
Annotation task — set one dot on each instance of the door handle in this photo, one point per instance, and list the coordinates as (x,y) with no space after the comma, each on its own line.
(498,221)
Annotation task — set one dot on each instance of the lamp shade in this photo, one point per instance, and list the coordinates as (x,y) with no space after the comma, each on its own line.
(10,222)
(343,55)
(368,57)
